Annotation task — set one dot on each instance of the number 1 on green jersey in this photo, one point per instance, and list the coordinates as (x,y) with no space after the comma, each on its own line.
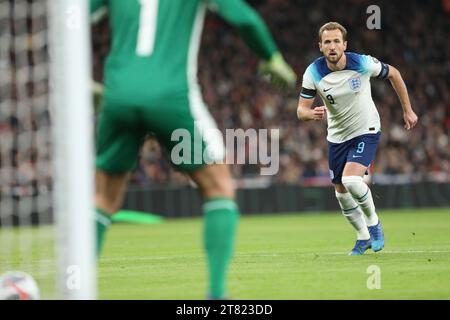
(147,27)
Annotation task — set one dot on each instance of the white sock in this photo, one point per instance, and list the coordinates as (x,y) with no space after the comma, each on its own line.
(363,196)
(353,214)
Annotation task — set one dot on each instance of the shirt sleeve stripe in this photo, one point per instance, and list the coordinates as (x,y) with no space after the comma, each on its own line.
(384,71)
(308,93)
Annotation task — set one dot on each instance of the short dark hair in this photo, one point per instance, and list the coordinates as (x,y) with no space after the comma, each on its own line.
(333,26)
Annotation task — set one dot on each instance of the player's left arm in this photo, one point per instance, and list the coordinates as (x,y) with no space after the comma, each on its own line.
(381,70)
(399,86)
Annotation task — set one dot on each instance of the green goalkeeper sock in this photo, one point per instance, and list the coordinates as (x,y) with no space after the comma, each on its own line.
(221,216)
(103,221)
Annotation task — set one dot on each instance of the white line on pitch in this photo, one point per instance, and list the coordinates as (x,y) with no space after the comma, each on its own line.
(392,251)
(267,254)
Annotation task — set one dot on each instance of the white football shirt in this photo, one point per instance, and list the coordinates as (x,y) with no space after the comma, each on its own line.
(351,111)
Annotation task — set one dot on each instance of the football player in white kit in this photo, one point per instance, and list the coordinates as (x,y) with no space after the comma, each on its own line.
(342,80)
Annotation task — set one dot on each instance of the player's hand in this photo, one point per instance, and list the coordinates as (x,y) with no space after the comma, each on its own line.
(281,74)
(318,113)
(410,119)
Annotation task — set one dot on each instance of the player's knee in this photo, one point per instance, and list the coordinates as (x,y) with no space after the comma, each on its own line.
(107,203)
(340,188)
(214,181)
(110,191)
(219,188)
(355,185)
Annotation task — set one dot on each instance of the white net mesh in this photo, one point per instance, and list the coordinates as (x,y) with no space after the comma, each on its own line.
(26,233)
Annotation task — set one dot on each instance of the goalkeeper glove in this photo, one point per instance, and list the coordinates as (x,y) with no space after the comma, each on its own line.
(281,74)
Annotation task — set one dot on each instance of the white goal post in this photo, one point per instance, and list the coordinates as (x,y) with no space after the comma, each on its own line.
(72,121)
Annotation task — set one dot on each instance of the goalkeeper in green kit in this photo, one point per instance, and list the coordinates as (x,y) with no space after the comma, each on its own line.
(150,86)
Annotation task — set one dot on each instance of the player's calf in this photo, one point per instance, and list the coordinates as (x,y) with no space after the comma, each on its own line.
(353,214)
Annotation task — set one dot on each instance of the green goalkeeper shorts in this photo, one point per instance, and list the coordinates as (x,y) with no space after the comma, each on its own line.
(181,123)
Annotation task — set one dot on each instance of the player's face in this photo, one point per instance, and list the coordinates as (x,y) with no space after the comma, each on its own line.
(332,45)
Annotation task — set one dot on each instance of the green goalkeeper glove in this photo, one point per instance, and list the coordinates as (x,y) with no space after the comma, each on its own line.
(281,74)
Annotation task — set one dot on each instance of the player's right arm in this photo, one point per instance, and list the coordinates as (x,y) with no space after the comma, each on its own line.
(305,113)
(307,96)
(256,35)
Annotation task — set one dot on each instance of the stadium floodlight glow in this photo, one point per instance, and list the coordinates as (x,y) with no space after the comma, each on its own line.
(72,115)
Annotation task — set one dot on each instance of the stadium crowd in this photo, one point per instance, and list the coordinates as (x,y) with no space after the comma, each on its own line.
(413,38)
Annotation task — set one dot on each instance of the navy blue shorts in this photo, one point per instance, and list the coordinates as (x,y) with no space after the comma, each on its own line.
(360,149)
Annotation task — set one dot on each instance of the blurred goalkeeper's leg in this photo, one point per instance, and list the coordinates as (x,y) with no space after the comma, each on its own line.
(221,215)
(109,193)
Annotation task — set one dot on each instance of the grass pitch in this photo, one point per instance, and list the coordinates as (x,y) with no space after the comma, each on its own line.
(283,256)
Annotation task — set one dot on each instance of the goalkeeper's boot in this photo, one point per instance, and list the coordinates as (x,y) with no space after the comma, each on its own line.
(377,236)
(360,247)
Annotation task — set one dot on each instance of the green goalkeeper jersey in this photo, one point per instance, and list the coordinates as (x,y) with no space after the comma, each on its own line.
(155,42)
